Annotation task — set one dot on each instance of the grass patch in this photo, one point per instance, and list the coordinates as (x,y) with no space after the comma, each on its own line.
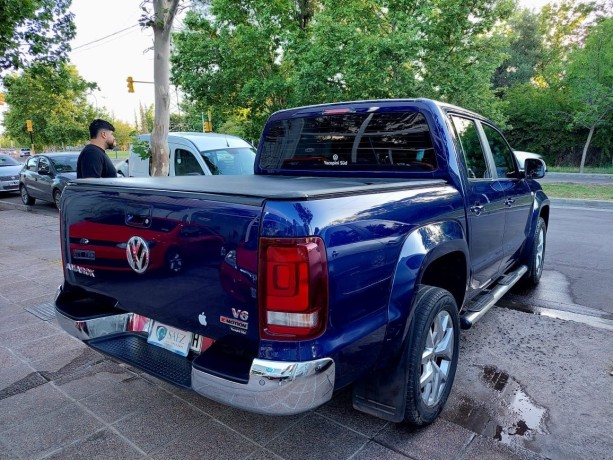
(117,155)
(586,192)
(575,169)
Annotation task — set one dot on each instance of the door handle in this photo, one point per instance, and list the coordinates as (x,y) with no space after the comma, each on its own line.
(509,202)
(477,209)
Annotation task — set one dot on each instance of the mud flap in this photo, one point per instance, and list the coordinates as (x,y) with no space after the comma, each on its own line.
(383,393)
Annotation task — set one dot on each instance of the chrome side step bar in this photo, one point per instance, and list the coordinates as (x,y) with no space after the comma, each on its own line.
(483,303)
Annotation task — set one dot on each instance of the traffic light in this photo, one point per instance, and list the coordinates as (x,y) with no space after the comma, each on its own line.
(130,81)
(29,125)
(207,127)
(1,98)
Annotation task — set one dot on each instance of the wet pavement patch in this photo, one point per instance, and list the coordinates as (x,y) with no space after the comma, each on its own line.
(30,381)
(508,414)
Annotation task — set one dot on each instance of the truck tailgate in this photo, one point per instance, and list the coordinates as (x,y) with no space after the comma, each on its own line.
(167,256)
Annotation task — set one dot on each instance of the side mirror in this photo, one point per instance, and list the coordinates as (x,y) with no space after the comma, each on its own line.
(44,172)
(534,168)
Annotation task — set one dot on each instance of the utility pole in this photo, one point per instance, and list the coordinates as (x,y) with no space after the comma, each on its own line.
(30,129)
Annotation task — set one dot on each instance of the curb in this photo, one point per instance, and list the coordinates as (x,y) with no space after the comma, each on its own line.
(581,203)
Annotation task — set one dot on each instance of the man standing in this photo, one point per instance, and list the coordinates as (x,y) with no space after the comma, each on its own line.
(93,160)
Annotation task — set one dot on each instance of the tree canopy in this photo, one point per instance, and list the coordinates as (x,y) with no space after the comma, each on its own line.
(34,31)
(55,101)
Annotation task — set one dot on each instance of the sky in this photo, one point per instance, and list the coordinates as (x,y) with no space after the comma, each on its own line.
(110,61)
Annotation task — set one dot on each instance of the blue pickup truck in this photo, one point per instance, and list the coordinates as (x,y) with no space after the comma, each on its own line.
(371,233)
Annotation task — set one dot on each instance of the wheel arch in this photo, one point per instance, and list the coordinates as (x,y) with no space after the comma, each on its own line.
(428,253)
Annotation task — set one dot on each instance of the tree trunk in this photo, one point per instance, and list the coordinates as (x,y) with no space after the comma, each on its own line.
(585,147)
(161,78)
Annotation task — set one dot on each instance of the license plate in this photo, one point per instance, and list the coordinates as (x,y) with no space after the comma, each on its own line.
(84,254)
(170,338)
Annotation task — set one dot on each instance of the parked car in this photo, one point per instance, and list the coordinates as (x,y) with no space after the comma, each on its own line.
(24,152)
(44,177)
(122,168)
(199,154)
(9,173)
(521,157)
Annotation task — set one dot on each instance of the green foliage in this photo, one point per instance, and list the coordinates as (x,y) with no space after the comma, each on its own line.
(55,101)
(34,31)
(141,148)
(525,50)
(252,57)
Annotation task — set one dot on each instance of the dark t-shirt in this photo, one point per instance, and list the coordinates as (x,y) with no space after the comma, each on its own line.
(94,162)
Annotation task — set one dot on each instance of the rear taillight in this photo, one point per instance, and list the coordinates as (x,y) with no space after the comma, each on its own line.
(292,288)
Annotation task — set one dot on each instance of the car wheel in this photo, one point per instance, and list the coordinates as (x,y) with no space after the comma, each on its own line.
(25,196)
(57,194)
(433,348)
(174,261)
(537,254)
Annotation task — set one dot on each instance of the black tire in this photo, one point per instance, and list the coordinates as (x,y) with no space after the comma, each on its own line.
(536,260)
(436,321)
(57,194)
(25,196)
(174,261)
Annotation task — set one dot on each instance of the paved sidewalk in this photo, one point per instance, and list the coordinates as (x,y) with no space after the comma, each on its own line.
(61,400)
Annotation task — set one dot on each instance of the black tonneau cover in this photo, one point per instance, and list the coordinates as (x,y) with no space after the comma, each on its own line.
(275,187)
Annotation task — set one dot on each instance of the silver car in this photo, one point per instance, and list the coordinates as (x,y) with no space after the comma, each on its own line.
(9,173)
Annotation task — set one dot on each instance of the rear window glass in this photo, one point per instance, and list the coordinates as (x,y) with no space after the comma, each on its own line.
(387,141)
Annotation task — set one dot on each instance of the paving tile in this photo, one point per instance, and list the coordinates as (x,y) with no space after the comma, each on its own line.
(14,321)
(375,451)
(24,290)
(27,334)
(208,406)
(260,428)
(158,423)
(441,440)
(71,360)
(16,372)
(8,359)
(264,454)
(93,379)
(315,437)
(212,440)
(340,409)
(102,445)
(36,401)
(43,434)
(482,447)
(124,398)
(47,347)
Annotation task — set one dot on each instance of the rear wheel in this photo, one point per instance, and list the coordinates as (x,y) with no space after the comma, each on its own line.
(537,254)
(433,350)
(25,196)
(56,198)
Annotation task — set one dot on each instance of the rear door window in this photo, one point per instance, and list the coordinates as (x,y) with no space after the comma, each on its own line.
(375,141)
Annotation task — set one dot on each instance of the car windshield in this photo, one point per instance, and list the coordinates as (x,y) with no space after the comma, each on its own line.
(66,163)
(230,161)
(6,160)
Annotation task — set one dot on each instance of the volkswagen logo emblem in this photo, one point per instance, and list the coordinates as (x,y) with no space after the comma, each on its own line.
(137,253)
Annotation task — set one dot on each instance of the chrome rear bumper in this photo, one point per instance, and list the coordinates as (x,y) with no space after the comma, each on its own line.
(274,387)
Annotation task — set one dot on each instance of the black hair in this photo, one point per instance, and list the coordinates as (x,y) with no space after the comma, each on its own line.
(99,125)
